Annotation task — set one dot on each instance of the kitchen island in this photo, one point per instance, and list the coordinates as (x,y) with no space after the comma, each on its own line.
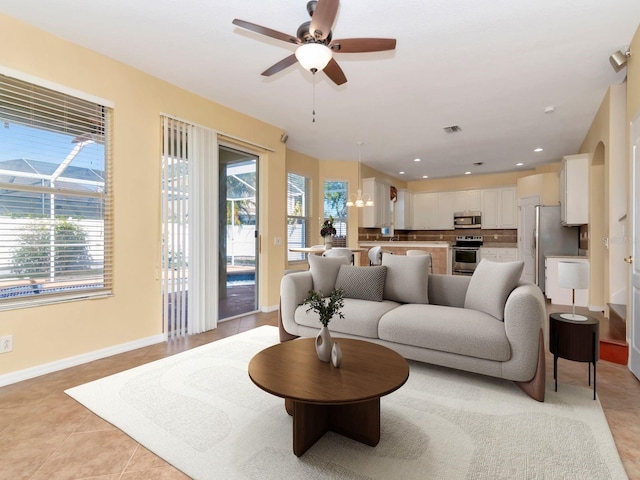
(440,252)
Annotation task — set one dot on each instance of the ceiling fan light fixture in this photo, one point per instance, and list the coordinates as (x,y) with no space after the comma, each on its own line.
(313,56)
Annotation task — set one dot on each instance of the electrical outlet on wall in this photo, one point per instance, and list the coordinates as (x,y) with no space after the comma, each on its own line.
(6,344)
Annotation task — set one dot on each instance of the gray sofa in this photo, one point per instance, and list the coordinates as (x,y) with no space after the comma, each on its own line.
(490,323)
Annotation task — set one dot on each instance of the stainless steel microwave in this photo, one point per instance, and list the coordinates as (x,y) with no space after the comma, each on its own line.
(467,220)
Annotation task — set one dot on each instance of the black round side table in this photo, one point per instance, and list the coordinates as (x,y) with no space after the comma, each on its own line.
(576,340)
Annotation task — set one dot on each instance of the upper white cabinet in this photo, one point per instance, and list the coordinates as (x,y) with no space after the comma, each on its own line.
(507,208)
(499,208)
(574,190)
(425,211)
(489,208)
(468,201)
(434,211)
(403,210)
(379,215)
(446,208)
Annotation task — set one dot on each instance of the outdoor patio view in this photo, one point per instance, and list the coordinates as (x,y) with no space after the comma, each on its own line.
(53,195)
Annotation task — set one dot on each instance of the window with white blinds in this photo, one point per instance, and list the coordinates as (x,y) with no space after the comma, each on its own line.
(297,214)
(55,196)
(335,206)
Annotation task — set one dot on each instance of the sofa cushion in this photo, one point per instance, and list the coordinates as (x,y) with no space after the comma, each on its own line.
(407,278)
(365,283)
(361,317)
(491,284)
(447,329)
(324,271)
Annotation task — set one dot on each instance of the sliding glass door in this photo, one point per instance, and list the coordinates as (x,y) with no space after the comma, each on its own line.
(237,237)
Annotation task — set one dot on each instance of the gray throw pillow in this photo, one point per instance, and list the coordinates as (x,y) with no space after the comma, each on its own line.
(407,278)
(491,284)
(365,283)
(324,271)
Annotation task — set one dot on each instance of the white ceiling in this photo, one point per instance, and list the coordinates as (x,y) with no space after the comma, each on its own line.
(490,67)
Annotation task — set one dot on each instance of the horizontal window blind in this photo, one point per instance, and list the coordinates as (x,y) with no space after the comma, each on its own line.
(55,196)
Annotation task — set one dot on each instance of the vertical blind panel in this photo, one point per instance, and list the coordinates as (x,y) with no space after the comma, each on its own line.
(56,214)
(175,228)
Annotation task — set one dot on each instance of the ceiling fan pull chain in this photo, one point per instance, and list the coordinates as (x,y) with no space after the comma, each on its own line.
(313,71)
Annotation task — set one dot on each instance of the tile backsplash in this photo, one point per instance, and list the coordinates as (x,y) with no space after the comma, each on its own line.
(490,236)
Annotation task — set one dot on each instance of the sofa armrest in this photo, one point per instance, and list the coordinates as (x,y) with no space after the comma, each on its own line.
(294,288)
(524,318)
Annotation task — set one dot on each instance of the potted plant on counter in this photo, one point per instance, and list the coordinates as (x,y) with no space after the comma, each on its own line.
(327,231)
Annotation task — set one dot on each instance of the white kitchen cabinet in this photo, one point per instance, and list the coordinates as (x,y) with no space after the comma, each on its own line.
(446,208)
(507,208)
(499,208)
(499,254)
(425,211)
(562,296)
(403,210)
(468,201)
(379,215)
(489,208)
(574,190)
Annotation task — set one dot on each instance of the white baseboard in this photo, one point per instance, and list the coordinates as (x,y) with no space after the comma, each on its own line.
(270,309)
(32,372)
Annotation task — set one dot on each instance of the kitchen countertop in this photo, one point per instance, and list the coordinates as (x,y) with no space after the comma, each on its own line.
(499,245)
(578,257)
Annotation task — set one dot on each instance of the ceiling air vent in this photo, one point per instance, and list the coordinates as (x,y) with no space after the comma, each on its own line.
(452,129)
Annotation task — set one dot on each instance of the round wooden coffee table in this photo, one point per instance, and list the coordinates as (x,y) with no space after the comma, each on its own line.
(322,398)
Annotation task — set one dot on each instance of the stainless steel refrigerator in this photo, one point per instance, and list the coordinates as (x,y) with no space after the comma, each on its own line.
(551,238)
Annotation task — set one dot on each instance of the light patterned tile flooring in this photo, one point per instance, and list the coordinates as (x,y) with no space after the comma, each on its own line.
(44,434)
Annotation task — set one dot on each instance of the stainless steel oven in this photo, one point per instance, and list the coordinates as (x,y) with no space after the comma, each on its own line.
(466,254)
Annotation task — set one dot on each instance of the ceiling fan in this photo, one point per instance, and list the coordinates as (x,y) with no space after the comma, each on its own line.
(315,45)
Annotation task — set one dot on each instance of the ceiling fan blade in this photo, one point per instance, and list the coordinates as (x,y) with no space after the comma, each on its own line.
(323,18)
(361,45)
(334,72)
(281,65)
(265,31)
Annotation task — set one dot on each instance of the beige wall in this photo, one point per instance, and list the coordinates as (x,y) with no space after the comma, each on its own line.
(468,182)
(545,185)
(633,79)
(49,333)
(606,145)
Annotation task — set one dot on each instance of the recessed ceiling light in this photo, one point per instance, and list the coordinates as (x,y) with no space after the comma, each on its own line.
(417,159)
(467,173)
(519,164)
(401,173)
(425,176)
(537,149)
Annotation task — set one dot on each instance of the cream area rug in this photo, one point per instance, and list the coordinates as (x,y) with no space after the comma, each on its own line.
(200,412)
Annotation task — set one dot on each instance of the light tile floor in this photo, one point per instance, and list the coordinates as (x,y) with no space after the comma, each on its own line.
(44,434)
